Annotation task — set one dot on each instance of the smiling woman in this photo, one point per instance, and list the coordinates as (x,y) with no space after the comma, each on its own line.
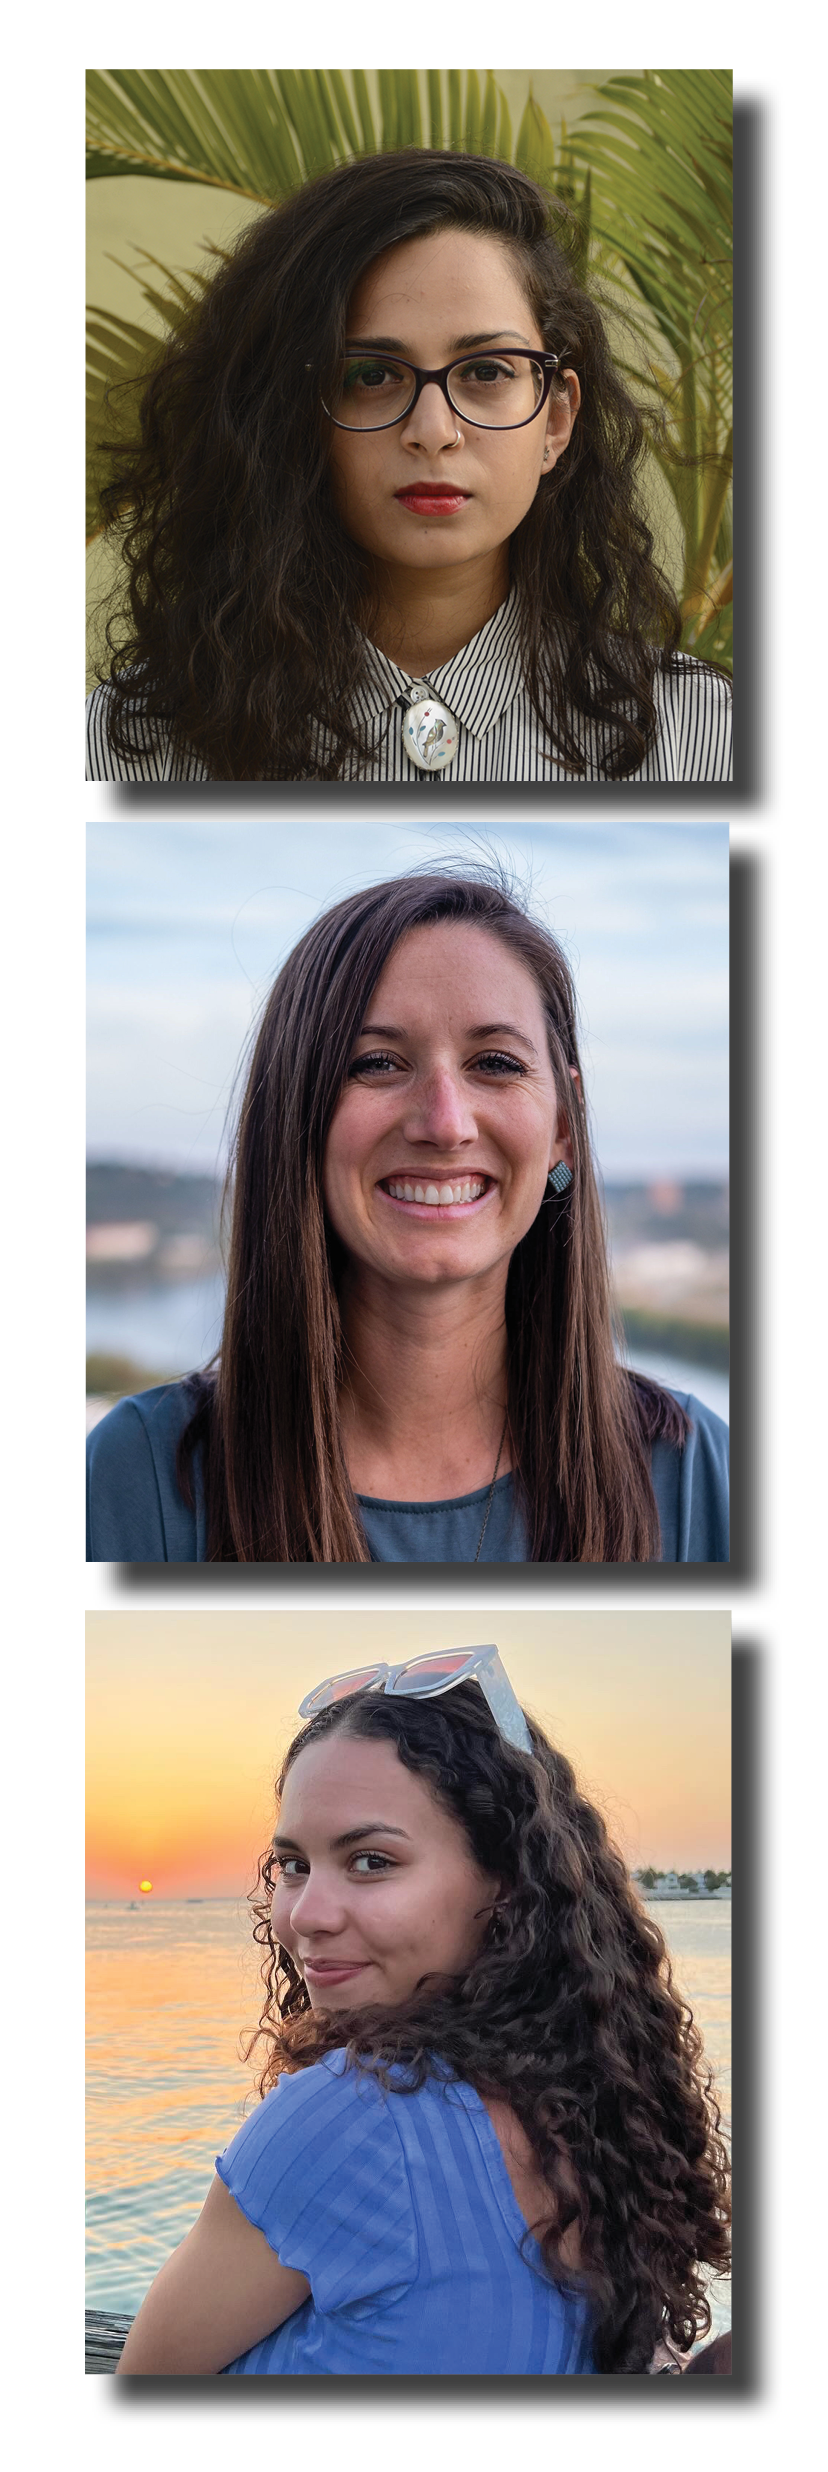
(382,516)
(418,1361)
(488,2142)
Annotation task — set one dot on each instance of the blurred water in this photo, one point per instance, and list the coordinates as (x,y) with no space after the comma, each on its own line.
(170,1990)
(171,1328)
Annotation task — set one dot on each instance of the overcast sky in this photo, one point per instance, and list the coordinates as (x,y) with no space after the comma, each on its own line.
(189,922)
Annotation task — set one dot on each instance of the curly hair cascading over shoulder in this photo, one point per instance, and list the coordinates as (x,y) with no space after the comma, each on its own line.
(569,2015)
(241,630)
(267,1422)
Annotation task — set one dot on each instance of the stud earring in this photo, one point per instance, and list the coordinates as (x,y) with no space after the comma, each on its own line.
(558,1180)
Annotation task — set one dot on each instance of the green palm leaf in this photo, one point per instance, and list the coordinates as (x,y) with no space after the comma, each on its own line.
(115,352)
(473,127)
(659,148)
(260,132)
(118,355)
(232,129)
(488,126)
(535,150)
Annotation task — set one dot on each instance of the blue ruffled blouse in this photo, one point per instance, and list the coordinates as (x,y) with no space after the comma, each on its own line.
(399,2210)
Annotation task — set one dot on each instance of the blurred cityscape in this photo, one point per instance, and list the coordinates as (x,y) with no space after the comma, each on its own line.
(155,1281)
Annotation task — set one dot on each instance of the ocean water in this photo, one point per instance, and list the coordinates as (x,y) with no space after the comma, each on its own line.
(171,1990)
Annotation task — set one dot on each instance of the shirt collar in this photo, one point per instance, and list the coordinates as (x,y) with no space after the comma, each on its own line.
(477,684)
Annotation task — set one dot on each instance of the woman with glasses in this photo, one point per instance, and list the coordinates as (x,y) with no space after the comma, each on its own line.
(488,2143)
(382,518)
(418,1361)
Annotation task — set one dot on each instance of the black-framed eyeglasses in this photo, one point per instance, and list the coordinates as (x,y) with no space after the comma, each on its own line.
(491,390)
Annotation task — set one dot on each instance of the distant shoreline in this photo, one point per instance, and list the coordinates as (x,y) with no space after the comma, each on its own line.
(130,1905)
(685,1896)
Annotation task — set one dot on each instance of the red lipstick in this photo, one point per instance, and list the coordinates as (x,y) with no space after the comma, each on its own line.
(432,498)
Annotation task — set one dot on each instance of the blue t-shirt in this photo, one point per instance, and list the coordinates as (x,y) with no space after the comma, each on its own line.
(135,1512)
(399,2210)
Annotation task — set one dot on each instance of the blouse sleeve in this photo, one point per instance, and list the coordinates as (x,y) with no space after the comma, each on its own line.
(134,1511)
(707,729)
(695,732)
(319,2169)
(692,1489)
(123,1508)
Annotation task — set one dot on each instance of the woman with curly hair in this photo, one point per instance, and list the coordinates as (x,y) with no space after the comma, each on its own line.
(488,2143)
(418,1361)
(382,518)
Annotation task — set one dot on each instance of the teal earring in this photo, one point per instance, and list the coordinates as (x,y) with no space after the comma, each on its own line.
(558,1180)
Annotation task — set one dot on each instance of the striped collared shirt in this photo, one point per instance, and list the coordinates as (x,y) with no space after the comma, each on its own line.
(499,735)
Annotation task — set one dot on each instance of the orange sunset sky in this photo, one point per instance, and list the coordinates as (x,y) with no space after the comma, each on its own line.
(188,1716)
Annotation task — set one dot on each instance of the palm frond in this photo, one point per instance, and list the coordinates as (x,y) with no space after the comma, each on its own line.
(116,353)
(660,151)
(119,355)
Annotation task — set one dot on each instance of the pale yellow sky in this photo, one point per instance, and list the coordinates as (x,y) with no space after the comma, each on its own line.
(189,1714)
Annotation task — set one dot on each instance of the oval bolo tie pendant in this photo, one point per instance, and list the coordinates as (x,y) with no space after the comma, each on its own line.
(430,732)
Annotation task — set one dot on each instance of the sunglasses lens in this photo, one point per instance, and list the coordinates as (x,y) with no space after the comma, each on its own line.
(432,1671)
(341,1687)
(345,1684)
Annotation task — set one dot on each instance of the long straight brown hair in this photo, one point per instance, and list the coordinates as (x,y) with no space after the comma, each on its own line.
(267,1418)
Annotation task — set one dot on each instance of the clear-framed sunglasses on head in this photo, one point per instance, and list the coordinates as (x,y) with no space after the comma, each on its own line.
(426,1678)
(491,390)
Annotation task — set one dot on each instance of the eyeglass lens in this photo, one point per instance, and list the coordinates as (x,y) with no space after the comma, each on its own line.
(499,391)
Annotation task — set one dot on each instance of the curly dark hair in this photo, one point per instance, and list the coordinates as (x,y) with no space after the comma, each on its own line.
(570,2015)
(241,630)
(266,1421)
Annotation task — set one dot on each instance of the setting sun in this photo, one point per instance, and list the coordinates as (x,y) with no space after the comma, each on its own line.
(145,1888)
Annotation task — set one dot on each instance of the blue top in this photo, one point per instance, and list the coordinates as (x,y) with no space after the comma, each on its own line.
(399,2210)
(136,1513)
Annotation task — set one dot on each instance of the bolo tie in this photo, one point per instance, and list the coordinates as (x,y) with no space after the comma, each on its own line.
(430,732)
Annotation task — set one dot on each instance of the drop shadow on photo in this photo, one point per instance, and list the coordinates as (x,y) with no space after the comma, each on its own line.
(439,1583)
